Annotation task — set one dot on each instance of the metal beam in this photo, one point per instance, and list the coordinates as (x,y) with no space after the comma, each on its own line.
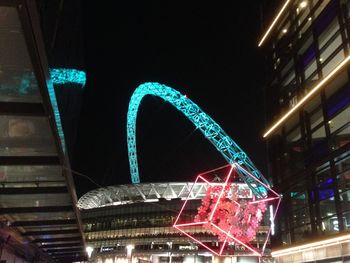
(61,239)
(40,209)
(62,245)
(64,250)
(44,222)
(21,109)
(24,142)
(51,232)
(29,160)
(33,190)
(70,259)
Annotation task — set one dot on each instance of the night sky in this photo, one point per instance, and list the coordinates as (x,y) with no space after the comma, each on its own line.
(207,51)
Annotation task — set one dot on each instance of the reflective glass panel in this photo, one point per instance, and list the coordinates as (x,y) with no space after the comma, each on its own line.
(17,80)
(26,136)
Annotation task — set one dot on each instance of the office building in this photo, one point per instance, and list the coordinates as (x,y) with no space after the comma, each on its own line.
(308,127)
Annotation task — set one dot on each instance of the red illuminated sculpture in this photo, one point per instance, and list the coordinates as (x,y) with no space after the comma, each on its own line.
(229,211)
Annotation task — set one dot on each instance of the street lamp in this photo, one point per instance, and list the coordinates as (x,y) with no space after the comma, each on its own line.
(129,249)
(89,250)
(170,246)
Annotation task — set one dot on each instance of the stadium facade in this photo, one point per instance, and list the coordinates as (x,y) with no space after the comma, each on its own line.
(141,217)
(308,128)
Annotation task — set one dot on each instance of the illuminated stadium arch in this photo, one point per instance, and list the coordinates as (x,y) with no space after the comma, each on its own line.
(209,128)
(61,76)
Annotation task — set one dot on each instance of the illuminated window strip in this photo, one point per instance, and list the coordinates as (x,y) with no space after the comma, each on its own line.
(197,241)
(273,23)
(311,246)
(313,90)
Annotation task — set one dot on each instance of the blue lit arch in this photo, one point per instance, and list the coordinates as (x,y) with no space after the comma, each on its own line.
(209,128)
(60,76)
(67,75)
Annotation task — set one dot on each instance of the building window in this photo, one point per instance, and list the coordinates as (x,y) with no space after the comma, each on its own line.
(329,33)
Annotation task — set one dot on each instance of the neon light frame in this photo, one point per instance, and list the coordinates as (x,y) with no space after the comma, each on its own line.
(228,234)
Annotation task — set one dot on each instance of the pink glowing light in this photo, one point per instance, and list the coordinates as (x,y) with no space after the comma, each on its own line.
(189,193)
(192,224)
(219,194)
(222,191)
(264,200)
(238,241)
(201,177)
(223,245)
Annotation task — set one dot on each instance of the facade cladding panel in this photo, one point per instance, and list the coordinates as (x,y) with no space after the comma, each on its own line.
(143,215)
(309,152)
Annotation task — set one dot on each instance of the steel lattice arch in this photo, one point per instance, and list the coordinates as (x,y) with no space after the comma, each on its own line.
(144,192)
(202,121)
(60,76)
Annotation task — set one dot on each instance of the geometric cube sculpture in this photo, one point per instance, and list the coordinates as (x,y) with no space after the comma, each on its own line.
(230,211)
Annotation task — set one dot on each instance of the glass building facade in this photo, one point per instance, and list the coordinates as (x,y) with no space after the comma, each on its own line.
(308,125)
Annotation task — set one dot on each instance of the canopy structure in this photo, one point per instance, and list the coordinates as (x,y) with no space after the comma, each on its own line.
(39,219)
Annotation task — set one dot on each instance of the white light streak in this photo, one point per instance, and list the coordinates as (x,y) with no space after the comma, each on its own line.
(273,23)
(312,92)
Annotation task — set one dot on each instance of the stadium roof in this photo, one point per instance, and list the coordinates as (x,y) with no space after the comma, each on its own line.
(145,192)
